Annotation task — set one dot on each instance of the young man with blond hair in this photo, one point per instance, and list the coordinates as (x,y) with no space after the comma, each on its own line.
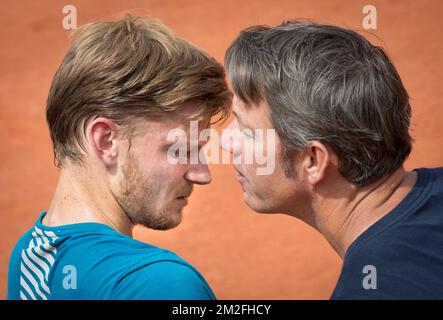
(119,90)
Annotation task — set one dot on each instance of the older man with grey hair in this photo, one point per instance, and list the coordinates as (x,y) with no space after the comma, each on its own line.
(342,116)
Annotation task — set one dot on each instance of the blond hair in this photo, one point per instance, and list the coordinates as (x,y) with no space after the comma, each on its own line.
(134,68)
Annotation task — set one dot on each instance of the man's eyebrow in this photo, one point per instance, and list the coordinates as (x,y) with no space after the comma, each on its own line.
(186,143)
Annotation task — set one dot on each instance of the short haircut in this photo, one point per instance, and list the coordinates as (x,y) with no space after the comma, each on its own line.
(330,84)
(126,70)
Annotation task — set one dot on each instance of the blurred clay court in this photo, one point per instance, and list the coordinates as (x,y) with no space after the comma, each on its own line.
(243,255)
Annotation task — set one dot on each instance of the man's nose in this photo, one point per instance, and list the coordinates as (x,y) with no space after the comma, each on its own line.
(199,174)
(230,140)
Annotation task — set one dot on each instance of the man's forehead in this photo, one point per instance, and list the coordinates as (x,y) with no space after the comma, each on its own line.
(237,104)
(161,128)
(252,116)
(241,108)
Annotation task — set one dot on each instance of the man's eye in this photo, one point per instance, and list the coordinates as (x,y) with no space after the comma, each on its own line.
(195,150)
(188,154)
(177,154)
(181,154)
(248,133)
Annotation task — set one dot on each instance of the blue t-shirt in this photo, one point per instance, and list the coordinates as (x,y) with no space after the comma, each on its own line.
(401,255)
(93,261)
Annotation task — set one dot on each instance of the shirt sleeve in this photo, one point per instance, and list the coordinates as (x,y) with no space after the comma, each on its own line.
(164,280)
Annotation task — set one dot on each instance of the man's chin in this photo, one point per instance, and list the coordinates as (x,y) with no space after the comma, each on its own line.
(161,226)
(164,223)
(164,227)
(259,206)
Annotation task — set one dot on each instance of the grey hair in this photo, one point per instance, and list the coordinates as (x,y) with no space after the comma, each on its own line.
(330,84)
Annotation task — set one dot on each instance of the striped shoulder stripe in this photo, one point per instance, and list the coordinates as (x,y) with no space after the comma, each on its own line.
(36,263)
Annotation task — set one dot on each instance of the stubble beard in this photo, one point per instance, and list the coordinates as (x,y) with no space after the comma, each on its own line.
(139,198)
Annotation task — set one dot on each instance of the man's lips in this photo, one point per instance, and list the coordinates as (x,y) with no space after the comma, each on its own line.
(183,200)
(187,195)
(239,176)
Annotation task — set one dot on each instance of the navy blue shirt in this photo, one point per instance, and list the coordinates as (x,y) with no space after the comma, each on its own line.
(401,255)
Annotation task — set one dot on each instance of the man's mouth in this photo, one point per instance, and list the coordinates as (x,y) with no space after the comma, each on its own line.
(239,176)
(183,200)
(183,196)
(186,194)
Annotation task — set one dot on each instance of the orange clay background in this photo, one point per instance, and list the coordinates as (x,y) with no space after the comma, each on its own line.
(243,255)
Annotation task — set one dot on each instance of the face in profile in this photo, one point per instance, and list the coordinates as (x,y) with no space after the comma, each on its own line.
(274,191)
(150,189)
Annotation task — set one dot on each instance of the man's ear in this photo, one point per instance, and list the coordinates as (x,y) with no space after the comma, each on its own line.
(102,134)
(316,160)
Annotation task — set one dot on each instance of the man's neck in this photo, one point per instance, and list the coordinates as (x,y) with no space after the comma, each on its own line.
(78,199)
(342,221)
